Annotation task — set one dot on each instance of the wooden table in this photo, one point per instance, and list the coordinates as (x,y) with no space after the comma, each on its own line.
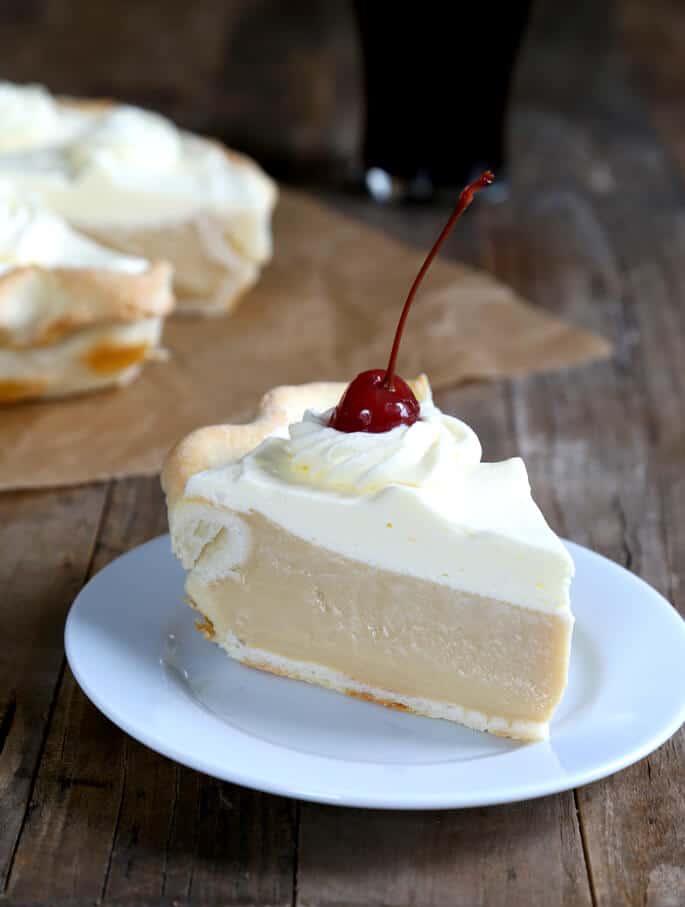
(595,231)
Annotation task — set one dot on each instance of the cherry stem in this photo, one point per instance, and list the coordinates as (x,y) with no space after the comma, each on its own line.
(465,199)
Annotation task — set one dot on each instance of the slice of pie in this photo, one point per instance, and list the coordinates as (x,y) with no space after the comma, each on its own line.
(133,181)
(392,566)
(74,316)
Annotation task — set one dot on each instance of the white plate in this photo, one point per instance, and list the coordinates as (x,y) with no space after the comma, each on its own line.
(133,648)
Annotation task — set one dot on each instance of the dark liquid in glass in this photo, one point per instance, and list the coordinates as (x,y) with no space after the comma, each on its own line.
(438,78)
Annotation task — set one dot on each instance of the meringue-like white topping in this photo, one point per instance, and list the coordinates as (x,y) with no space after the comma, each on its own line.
(413,501)
(27,115)
(123,166)
(128,137)
(32,235)
(430,451)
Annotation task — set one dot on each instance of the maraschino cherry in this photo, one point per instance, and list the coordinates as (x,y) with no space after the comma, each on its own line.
(379,400)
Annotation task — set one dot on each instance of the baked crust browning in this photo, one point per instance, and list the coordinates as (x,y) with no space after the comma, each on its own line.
(206,627)
(41,306)
(294,675)
(17,390)
(108,358)
(378,700)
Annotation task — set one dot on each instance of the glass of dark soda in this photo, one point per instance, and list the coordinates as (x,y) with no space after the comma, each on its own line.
(438,81)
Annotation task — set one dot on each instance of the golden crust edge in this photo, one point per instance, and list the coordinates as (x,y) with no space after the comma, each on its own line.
(121,298)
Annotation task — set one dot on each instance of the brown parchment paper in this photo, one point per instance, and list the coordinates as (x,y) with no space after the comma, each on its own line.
(325,308)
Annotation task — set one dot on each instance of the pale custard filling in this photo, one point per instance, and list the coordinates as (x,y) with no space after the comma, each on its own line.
(382,629)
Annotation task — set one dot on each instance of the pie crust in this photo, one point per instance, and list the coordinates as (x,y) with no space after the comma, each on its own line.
(71,330)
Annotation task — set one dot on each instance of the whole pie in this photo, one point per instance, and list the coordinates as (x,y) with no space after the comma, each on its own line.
(132,181)
(394,566)
(74,316)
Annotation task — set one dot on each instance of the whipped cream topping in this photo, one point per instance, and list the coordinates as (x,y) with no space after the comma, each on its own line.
(128,137)
(414,501)
(123,166)
(433,450)
(32,235)
(28,115)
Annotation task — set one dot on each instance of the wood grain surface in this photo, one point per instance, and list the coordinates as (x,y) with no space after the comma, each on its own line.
(594,230)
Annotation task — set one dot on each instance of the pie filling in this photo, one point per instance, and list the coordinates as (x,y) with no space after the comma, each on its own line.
(387,632)
(109,358)
(88,359)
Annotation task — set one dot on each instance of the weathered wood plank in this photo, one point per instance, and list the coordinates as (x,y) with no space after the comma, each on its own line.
(74,806)
(46,541)
(79,787)
(653,36)
(527,853)
(112,819)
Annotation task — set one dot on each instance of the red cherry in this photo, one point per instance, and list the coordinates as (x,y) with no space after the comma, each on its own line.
(368,405)
(379,400)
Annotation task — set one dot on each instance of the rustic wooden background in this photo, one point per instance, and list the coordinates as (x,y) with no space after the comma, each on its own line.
(594,230)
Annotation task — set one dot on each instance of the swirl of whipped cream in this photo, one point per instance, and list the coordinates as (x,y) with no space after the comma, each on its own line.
(22,224)
(32,235)
(434,449)
(128,137)
(28,115)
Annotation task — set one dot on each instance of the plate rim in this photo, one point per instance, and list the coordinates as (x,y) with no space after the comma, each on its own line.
(457,799)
